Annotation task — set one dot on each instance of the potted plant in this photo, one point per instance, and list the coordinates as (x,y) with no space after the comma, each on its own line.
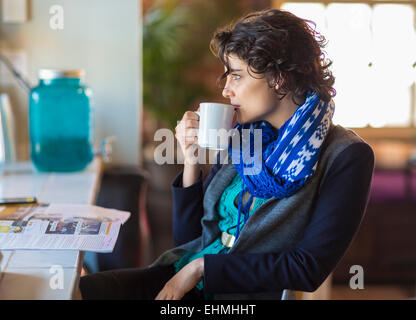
(178,69)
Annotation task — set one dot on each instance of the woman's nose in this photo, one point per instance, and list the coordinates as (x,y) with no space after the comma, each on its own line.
(227,93)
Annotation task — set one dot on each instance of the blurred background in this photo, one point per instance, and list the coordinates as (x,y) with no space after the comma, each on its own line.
(147,62)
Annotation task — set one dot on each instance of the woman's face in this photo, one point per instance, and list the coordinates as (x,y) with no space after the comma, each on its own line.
(252,96)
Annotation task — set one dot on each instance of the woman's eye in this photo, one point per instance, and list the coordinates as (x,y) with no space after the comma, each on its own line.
(236,76)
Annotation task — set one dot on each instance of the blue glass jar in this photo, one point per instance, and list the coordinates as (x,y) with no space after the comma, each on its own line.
(61,122)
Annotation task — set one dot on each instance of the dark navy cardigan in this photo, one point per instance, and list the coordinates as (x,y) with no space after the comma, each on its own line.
(327,237)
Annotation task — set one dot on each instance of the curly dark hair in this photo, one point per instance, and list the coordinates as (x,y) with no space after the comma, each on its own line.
(281,47)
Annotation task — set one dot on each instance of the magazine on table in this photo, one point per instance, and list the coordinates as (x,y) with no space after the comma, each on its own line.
(60,226)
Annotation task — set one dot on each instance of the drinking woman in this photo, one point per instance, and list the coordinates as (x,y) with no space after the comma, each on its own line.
(251,236)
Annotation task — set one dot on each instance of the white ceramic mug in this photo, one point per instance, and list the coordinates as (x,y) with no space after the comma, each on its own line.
(215,123)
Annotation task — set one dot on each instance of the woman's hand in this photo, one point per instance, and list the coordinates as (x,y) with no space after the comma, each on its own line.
(187,134)
(184,281)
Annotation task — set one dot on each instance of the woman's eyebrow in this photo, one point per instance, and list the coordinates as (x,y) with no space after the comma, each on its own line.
(234,70)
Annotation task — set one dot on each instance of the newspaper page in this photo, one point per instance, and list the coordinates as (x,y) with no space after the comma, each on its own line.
(60,226)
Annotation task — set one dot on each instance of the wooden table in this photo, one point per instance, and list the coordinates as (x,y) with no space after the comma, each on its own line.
(27,274)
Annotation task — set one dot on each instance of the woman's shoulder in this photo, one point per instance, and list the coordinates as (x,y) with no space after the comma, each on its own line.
(340,138)
(339,134)
(343,146)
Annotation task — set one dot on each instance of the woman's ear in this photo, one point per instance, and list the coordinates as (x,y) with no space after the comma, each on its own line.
(277,87)
(276,83)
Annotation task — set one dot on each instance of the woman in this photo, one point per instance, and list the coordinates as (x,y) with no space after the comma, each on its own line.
(252,236)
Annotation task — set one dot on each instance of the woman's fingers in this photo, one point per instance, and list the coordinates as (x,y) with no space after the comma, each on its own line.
(190,115)
(189,124)
(191,132)
(161,295)
(186,132)
(166,294)
(187,135)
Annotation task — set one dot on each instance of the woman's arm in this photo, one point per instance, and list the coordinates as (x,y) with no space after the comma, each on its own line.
(191,173)
(182,282)
(339,210)
(188,205)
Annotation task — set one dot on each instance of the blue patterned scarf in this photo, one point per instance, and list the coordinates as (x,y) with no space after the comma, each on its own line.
(288,157)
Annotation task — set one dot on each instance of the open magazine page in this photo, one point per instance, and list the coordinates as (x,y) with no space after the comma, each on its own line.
(75,227)
(78,210)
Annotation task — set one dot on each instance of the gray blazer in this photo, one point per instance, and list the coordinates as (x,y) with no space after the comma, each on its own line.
(276,226)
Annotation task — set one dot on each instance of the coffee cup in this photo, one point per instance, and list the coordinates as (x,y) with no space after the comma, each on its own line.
(215,123)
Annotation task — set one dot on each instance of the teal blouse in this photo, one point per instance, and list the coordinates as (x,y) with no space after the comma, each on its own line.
(227,208)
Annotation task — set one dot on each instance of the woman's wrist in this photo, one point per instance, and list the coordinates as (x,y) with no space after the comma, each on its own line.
(191,173)
(200,267)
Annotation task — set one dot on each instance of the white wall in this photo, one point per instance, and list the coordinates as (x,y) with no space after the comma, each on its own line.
(104,38)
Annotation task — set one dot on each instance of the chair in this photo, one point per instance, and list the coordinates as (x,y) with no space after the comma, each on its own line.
(125,188)
(322,293)
(288,295)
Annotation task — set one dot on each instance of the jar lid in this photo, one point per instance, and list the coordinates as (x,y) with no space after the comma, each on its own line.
(48,74)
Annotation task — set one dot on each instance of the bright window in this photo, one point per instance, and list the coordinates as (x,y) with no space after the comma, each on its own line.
(373,49)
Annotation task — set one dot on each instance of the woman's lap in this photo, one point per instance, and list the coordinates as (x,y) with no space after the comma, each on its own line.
(141,284)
